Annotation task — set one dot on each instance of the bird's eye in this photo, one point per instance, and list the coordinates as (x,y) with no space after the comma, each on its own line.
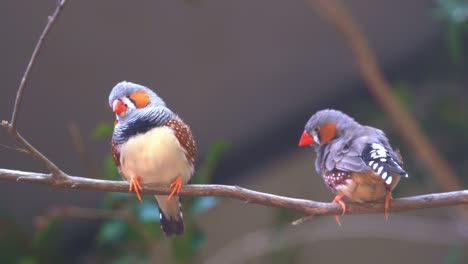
(316,129)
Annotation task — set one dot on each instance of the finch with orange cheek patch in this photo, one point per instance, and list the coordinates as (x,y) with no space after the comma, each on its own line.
(151,144)
(355,161)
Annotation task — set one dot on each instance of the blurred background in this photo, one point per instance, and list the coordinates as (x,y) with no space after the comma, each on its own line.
(246,75)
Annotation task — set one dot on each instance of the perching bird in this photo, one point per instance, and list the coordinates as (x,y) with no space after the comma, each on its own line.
(151,144)
(355,161)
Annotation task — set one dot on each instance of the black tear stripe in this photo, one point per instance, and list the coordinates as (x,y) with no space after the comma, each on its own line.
(139,126)
(141,123)
(382,162)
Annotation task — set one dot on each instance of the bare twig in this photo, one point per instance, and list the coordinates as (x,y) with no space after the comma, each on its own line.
(402,119)
(58,178)
(14,148)
(56,172)
(11,126)
(37,49)
(302,220)
(307,207)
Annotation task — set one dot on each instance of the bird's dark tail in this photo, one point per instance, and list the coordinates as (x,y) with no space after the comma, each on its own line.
(170,215)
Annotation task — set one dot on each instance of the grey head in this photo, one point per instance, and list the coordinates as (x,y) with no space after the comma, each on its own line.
(326,125)
(130,100)
(137,109)
(126,89)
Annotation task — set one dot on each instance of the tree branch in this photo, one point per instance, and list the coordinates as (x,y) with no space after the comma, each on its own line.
(58,178)
(37,49)
(304,206)
(11,126)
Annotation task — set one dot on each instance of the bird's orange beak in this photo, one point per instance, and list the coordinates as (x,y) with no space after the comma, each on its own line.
(306,139)
(118,107)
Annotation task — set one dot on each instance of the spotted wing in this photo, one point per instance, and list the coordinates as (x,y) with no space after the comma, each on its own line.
(115,154)
(383,161)
(185,137)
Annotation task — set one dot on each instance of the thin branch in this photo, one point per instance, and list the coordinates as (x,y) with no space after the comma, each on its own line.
(58,178)
(37,49)
(11,126)
(402,119)
(56,172)
(307,207)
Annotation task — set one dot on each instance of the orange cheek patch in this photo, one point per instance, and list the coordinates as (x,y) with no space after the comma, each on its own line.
(141,98)
(327,132)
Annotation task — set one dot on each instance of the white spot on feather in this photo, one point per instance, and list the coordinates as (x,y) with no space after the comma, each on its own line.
(378,151)
(389,180)
(384,175)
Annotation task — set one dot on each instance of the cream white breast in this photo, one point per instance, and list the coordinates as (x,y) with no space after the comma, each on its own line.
(155,157)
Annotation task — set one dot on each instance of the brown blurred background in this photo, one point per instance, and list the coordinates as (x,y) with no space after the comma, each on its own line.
(251,72)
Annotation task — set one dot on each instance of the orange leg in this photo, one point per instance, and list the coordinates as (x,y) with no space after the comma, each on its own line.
(175,186)
(388,198)
(135,186)
(338,199)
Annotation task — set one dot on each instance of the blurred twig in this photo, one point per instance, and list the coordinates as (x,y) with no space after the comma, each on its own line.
(401,228)
(307,207)
(58,178)
(37,50)
(405,123)
(11,126)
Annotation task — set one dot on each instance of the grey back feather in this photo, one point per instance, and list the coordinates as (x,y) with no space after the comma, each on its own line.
(344,152)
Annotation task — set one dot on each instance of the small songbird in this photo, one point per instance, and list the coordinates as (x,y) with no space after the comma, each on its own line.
(355,161)
(151,144)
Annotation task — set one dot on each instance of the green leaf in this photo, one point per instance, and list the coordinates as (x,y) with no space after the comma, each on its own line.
(47,241)
(110,170)
(27,260)
(455,42)
(103,130)
(185,248)
(454,256)
(205,173)
(112,231)
(14,244)
(402,92)
(285,216)
(153,229)
(203,204)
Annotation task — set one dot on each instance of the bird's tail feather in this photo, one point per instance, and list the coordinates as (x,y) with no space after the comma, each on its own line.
(170,215)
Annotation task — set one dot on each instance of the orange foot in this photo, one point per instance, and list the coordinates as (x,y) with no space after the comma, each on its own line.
(135,186)
(175,187)
(388,198)
(338,199)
